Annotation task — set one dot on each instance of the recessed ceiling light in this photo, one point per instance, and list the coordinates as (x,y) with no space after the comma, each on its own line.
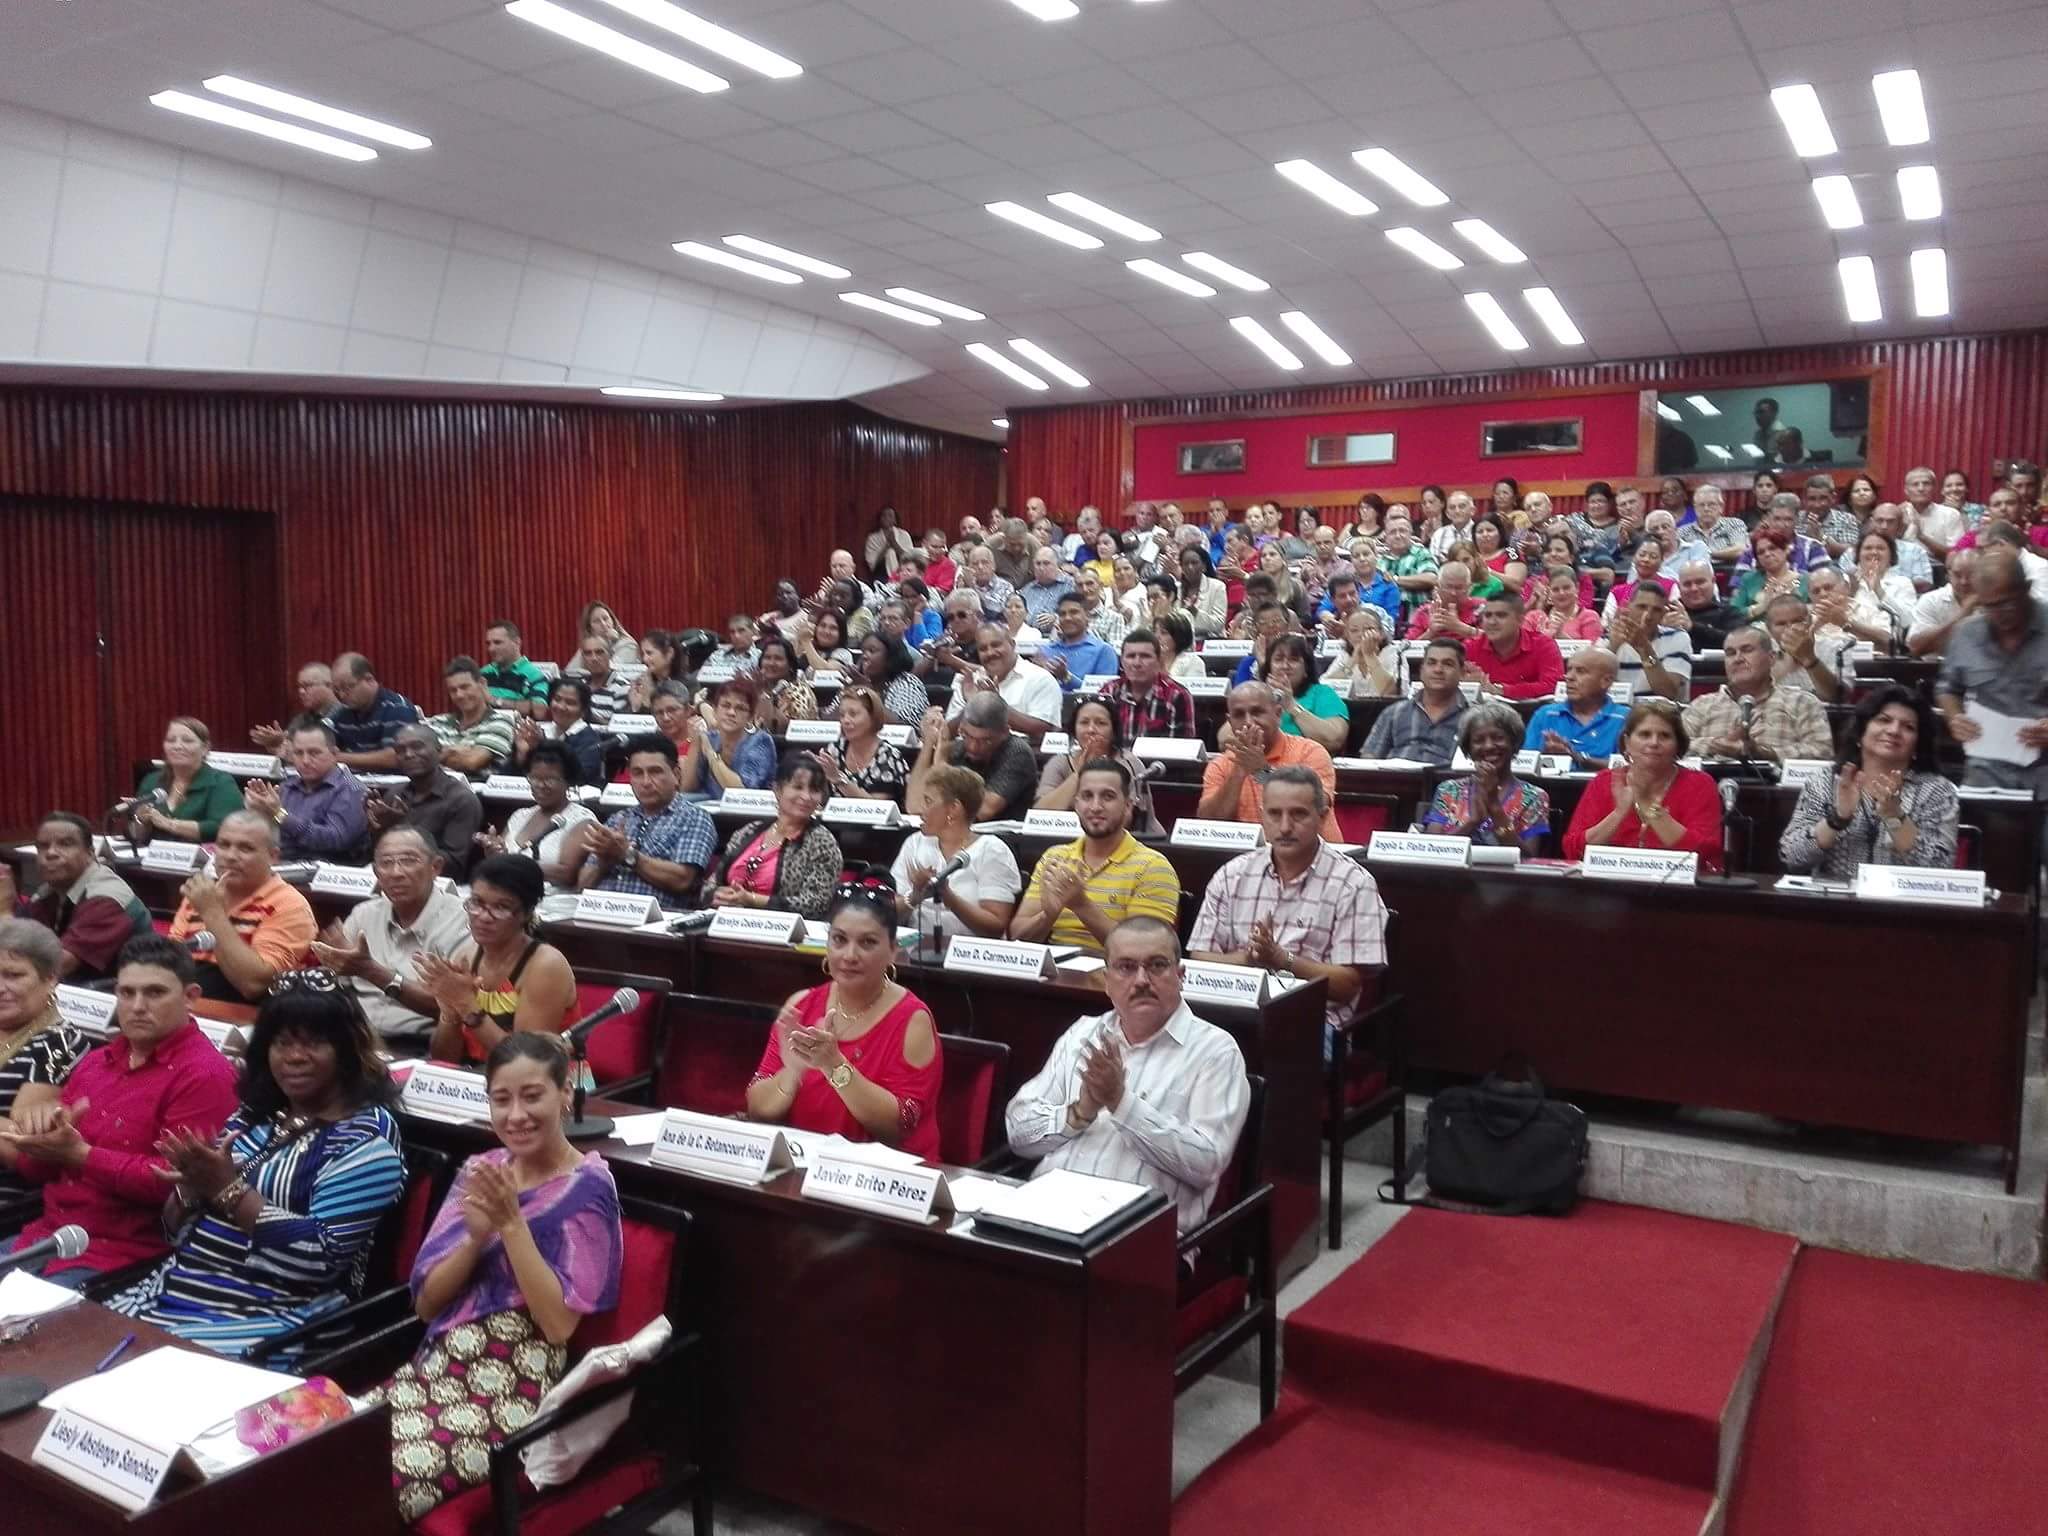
(1003,365)
(1048,10)
(1310,177)
(1901,105)
(316,112)
(1752,450)
(1001,423)
(627,50)
(1316,339)
(1276,351)
(1837,198)
(1216,266)
(1039,224)
(1031,351)
(1087,208)
(1668,413)
(1403,178)
(1180,282)
(1551,312)
(1495,319)
(1919,192)
(1720,453)
(711,37)
(1416,243)
(255,122)
(1859,289)
(884,307)
(936,306)
(1929,267)
(634,392)
(716,257)
(1799,108)
(1703,405)
(786,256)
(1489,240)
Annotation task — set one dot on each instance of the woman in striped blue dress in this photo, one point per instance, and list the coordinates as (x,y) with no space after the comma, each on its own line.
(272,1226)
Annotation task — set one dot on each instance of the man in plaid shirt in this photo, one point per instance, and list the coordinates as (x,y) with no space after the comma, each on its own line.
(659,848)
(1148,703)
(1296,904)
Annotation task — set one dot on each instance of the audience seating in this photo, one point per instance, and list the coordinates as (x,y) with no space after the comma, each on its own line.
(708,1051)
(971,1100)
(1367,1082)
(622,1051)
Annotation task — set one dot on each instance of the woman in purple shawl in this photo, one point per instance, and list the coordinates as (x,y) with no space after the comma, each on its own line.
(526,1246)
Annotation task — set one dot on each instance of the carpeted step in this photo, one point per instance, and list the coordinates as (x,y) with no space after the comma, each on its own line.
(1317,1470)
(1615,1336)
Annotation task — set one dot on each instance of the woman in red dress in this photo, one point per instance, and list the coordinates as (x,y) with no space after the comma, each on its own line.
(859,1056)
(1653,802)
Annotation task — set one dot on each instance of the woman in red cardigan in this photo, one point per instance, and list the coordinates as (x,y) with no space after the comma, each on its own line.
(1653,802)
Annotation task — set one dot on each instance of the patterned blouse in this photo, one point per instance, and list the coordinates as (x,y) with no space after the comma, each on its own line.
(1925,799)
(805,870)
(42,1052)
(1527,807)
(886,773)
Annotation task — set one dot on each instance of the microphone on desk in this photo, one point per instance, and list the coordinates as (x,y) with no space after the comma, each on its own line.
(1731,818)
(64,1243)
(583,1127)
(202,943)
(953,867)
(1149,770)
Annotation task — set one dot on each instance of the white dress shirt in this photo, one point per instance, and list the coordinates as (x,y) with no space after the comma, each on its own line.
(1185,1100)
(1029,690)
(990,874)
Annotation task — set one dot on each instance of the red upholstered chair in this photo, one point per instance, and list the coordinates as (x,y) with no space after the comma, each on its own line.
(1170,802)
(1969,846)
(1231,1295)
(971,1100)
(622,1052)
(1366,1082)
(1359,816)
(710,1048)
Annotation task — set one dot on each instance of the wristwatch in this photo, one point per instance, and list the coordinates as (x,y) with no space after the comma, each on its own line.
(393,988)
(840,1076)
(630,860)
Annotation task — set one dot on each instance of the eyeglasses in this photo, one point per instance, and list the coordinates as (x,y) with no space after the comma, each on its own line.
(1157,967)
(310,980)
(398,861)
(497,909)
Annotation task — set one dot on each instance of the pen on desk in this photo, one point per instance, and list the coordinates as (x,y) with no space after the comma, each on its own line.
(114,1354)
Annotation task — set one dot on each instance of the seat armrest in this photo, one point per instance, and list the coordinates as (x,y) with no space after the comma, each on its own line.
(1239,1212)
(669,1357)
(376,1310)
(374,1346)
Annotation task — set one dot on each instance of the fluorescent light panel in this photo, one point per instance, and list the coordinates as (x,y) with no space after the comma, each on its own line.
(1551,312)
(1919,192)
(1032,352)
(1003,365)
(1403,178)
(1048,10)
(1799,109)
(1039,224)
(1217,267)
(316,112)
(716,257)
(635,392)
(1668,413)
(627,50)
(936,306)
(786,256)
(1929,267)
(884,307)
(1859,289)
(255,122)
(1087,208)
(1316,339)
(1417,244)
(1312,178)
(1703,405)
(1489,240)
(1720,453)
(1901,105)
(1276,351)
(1495,319)
(1752,450)
(1180,282)
(1002,423)
(1837,198)
(711,37)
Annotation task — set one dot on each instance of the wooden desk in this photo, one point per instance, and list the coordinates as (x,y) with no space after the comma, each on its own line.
(1282,1041)
(1908,1020)
(349,1464)
(910,1379)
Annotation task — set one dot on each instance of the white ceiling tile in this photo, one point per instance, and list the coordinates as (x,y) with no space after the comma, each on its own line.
(906,74)
(200,336)
(219,249)
(31,180)
(296,346)
(1667,41)
(112,227)
(515,100)
(95,325)
(1314,52)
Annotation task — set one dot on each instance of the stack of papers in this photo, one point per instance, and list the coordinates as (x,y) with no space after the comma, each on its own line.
(807,1146)
(24,1295)
(1061,1200)
(169,1397)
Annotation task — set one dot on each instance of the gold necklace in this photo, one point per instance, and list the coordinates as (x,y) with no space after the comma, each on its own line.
(850,1022)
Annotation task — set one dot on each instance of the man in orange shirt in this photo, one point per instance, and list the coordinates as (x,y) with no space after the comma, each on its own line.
(260,925)
(1233,783)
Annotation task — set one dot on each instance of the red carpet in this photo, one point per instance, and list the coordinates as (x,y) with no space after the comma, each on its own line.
(1899,1401)
(1518,1375)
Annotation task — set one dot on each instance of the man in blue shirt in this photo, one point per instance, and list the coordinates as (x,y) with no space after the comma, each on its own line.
(1042,593)
(1073,653)
(1220,528)
(1365,583)
(1584,725)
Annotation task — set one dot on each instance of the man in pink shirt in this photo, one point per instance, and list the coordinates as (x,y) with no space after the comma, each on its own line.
(94,1150)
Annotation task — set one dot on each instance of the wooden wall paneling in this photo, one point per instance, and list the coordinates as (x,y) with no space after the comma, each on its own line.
(50,719)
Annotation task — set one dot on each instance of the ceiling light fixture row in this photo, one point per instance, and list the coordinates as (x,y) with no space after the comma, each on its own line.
(1419,190)
(1057,10)
(1900,105)
(666,17)
(304,108)
(1542,302)
(1928,270)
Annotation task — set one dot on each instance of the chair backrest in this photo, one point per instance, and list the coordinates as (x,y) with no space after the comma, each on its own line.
(650,1278)
(969,1096)
(1247,1158)
(714,1044)
(428,1173)
(1969,846)
(1170,802)
(625,1046)
(1359,816)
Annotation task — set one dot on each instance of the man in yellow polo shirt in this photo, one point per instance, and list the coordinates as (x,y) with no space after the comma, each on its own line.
(1081,890)
(1233,785)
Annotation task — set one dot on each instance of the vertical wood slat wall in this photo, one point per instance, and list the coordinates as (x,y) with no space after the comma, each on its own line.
(1956,402)
(399,527)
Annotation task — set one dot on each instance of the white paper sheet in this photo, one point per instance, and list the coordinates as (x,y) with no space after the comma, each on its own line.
(25,1295)
(1062,1200)
(2000,742)
(169,1397)
(970,1191)
(806,1147)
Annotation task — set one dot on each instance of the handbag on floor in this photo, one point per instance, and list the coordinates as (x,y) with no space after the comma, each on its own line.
(1504,1147)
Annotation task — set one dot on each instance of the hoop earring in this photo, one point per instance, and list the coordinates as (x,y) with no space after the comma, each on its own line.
(889,972)
(825,965)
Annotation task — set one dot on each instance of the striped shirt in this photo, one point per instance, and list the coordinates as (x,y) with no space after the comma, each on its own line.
(493,733)
(1672,650)
(47,1057)
(324,1192)
(1176,1127)
(1135,881)
(376,728)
